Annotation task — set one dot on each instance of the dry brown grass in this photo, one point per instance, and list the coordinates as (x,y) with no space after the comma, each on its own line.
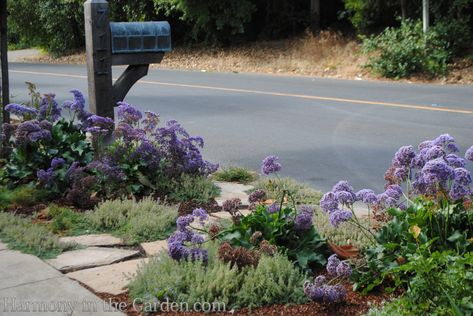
(329,54)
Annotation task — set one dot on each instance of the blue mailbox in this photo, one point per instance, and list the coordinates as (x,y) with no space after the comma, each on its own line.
(140,37)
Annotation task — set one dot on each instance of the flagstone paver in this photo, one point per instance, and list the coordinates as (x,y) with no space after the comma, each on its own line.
(112,279)
(226,215)
(27,282)
(232,190)
(89,258)
(93,240)
(154,247)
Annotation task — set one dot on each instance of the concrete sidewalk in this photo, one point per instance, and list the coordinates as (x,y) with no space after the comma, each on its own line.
(30,287)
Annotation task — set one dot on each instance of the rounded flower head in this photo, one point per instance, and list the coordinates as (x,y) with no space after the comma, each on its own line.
(271,165)
(273,208)
(403,157)
(49,108)
(335,293)
(128,114)
(320,280)
(257,196)
(184,221)
(459,191)
(332,264)
(437,171)
(150,121)
(303,221)
(367,196)
(329,202)
(455,162)
(339,216)
(201,214)
(343,269)
(462,176)
(342,186)
(21,110)
(469,154)
(345,197)
(57,163)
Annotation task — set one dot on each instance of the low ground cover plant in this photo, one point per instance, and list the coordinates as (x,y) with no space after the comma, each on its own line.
(21,234)
(235,174)
(274,187)
(273,280)
(134,221)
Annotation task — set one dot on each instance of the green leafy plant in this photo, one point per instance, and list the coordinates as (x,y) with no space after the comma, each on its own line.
(193,188)
(305,247)
(404,51)
(442,284)
(235,174)
(274,280)
(21,234)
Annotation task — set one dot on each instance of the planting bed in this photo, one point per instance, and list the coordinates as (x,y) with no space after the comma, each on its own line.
(139,218)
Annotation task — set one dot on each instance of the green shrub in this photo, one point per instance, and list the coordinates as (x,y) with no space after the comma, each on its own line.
(25,195)
(273,281)
(21,234)
(135,221)
(302,193)
(149,220)
(194,188)
(404,51)
(235,174)
(191,282)
(212,21)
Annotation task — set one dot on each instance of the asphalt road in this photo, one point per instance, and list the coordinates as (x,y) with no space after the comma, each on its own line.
(323,130)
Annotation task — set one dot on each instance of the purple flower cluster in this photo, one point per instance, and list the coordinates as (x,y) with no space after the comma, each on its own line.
(270,165)
(303,221)
(128,114)
(32,131)
(432,169)
(47,177)
(77,107)
(273,208)
(21,111)
(185,243)
(150,122)
(321,290)
(49,108)
(98,125)
(257,196)
(469,154)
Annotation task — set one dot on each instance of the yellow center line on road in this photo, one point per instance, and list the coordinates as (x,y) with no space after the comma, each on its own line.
(269,93)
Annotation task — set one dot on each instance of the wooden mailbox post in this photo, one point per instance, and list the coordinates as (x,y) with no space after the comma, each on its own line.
(136,44)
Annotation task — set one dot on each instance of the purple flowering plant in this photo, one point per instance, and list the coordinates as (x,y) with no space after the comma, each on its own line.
(426,206)
(282,223)
(328,288)
(42,135)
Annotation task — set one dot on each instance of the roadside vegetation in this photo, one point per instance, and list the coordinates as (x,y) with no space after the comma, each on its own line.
(257,36)
(235,174)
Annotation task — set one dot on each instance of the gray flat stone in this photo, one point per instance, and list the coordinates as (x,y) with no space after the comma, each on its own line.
(3,246)
(155,247)
(58,296)
(18,269)
(93,240)
(232,190)
(89,258)
(112,279)
(226,215)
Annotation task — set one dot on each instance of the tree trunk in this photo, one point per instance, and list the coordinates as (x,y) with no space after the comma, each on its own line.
(315,15)
(404,9)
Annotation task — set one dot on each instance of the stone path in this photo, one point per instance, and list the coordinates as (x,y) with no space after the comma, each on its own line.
(89,258)
(232,190)
(30,287)
(93,240)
